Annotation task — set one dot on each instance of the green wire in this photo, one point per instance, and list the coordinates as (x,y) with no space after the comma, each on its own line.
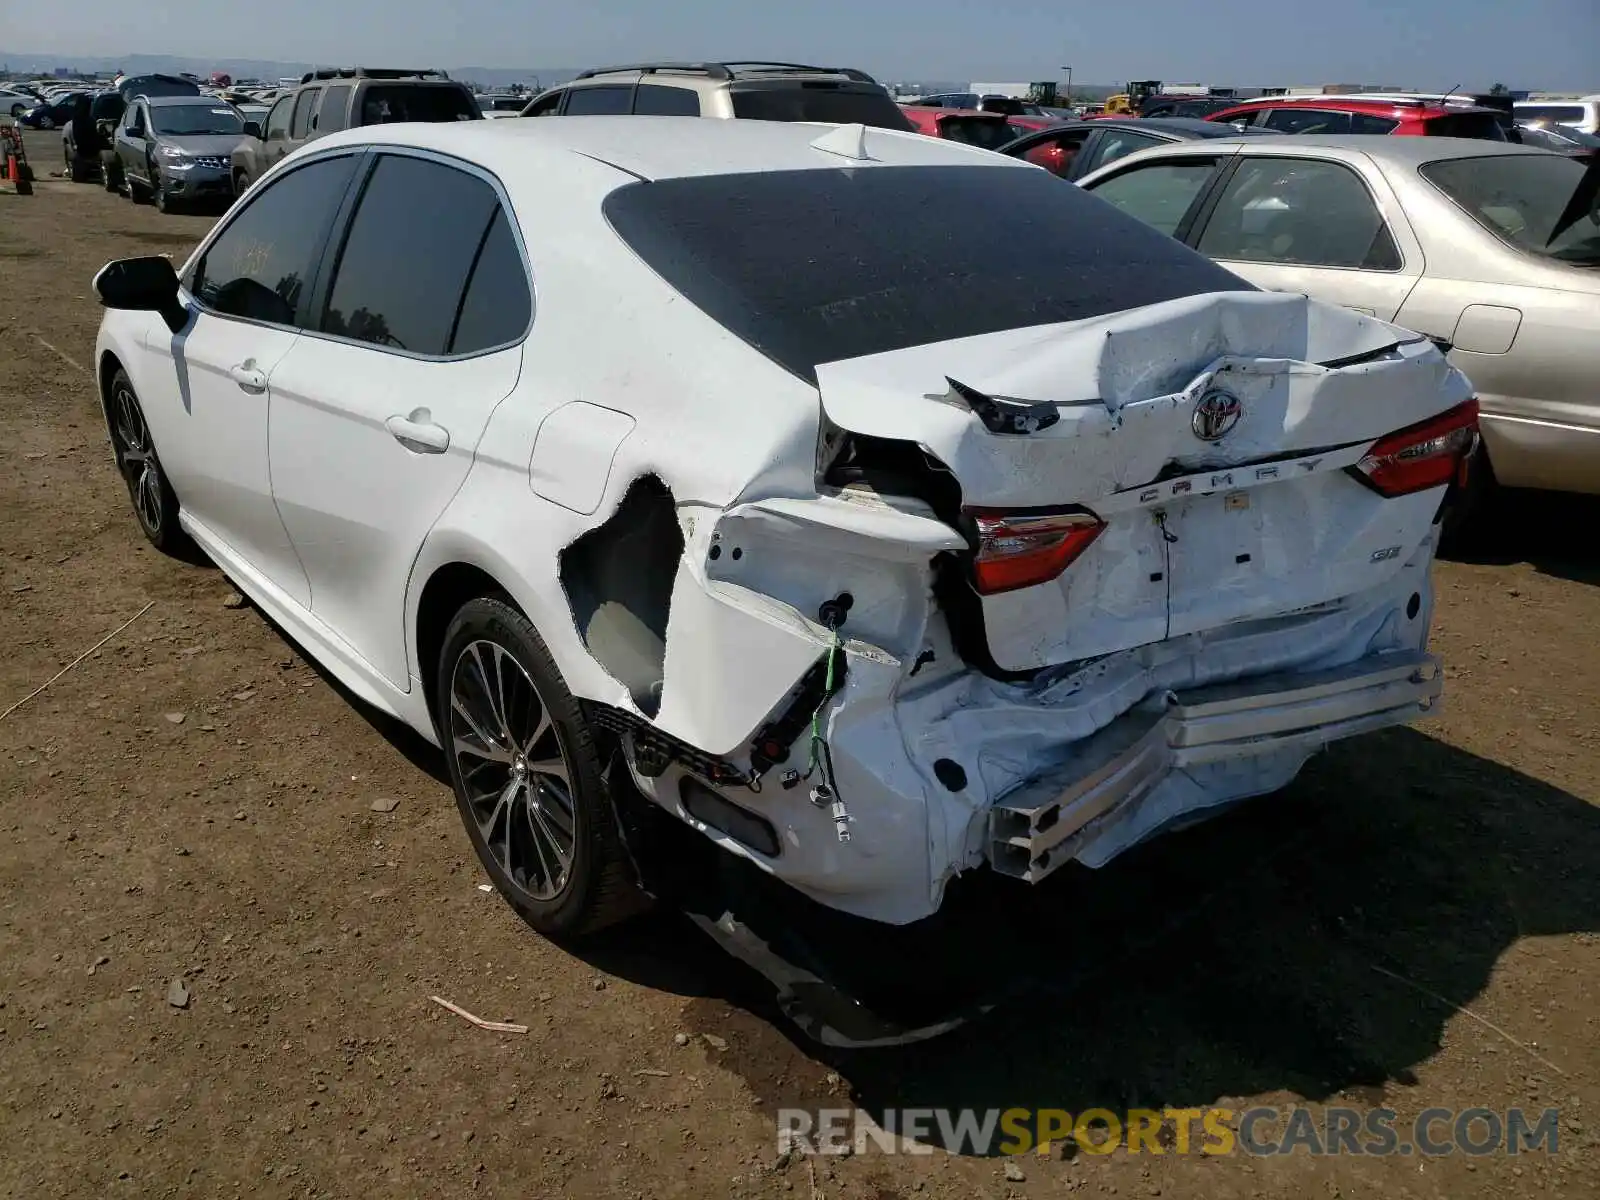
(816,715)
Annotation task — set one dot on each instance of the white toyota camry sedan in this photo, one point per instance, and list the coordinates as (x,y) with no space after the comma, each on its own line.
(755,474)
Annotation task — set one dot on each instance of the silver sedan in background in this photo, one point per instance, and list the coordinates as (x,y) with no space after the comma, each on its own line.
(1491,247)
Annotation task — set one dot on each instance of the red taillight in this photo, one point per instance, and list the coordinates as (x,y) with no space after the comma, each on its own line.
(1426,455)
(1018,550)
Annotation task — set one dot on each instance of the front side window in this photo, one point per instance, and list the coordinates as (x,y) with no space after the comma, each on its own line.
(607,99)
(195,120)
(1115,144)
(412,244)
(659,100)
(260,265)
(278,118)
(1300,212)
(1159,194)
(335,101)
(303,105)
(908,262)
(545,106)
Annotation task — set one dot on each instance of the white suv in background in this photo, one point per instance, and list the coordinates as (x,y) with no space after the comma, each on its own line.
(759,91)
(1582,113)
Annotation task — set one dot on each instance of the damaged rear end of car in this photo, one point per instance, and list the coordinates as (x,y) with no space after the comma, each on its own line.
(1109,544)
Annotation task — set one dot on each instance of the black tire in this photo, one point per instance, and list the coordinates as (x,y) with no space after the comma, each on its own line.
(47,122)
(155,505)
(111,174)
(158,191)
(1469,515)
(241,181)
(79,170)
(494,667)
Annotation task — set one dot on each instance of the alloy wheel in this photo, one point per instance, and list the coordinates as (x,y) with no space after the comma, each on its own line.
(138,461)
(515,769)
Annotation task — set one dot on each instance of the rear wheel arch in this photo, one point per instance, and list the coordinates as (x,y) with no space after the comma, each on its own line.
(447,589)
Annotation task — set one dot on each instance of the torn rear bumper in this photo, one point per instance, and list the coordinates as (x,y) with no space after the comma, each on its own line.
(1054,818)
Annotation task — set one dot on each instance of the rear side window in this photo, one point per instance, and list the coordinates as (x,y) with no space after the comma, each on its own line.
(605,100)
(1363,123)
(1466,125)
(303,104)
(335,104)
(497,305)
(383,103)
(406,258)
(260,264)
(658,101)
(1307,120)
(907,261)
(828,103)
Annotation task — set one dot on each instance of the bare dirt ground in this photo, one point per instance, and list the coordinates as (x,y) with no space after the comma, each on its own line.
(1260,958)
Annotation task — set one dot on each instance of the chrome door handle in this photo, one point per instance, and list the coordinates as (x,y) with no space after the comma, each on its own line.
(248,376)
(417,432)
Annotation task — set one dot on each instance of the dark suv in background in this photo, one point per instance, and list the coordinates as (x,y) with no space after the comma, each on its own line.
(344,98)
(86,140)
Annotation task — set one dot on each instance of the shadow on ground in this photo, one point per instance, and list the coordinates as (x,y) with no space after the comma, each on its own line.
(1311,942)
(1554,532)
(1244,956)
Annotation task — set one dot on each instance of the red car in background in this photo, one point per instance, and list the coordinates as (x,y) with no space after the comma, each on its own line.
(1355,114)
(987,130)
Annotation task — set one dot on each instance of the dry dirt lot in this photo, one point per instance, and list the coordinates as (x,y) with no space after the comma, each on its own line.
(1414,923)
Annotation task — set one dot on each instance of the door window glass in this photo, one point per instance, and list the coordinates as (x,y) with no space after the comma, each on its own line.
(1115,144)
(260,265)
(497,305)
(406,258)
(278,118)
(662,101)
(335,103)
(1307,120)
(303,105)
(1159,194)
(607,99)
(1299,211)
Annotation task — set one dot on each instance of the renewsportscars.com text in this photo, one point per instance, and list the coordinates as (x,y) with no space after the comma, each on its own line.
(1262,1130)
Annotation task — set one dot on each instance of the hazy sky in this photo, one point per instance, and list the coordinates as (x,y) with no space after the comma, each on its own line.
(1425,44)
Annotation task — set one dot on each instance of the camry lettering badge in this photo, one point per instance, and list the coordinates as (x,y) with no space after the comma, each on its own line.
(1216,413)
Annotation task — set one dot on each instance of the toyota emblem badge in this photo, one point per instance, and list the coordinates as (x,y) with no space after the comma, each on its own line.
(1217,413)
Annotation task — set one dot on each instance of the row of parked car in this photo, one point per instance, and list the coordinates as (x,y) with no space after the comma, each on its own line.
(1508,284)
(864,508)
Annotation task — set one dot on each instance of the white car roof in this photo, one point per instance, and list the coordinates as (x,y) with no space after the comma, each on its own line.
(665,147)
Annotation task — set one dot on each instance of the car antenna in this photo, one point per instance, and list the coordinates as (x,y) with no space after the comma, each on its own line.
(1450,93)
(847,141)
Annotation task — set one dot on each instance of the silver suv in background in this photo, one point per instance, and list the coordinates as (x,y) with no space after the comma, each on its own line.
(329,100)
(758,91)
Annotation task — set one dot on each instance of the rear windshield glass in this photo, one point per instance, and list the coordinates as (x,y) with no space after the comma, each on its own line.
(190,120)
(158,87)
(1522,199)
(387,102)
(813,266)
(1466,125)
(820,102)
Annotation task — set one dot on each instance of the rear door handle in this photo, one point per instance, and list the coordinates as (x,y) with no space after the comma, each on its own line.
(417,432)
(248,376)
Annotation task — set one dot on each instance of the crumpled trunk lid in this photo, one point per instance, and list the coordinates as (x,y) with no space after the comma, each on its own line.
(1209,517)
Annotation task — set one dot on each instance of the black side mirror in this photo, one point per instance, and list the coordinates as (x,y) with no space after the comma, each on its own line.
(143,285)
(252,129)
